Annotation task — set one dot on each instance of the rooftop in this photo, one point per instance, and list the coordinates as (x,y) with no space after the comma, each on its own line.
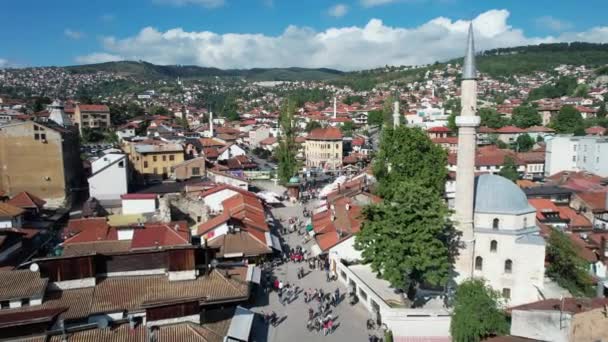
(328,133)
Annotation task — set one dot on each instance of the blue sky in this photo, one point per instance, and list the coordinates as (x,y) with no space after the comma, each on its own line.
(342,34)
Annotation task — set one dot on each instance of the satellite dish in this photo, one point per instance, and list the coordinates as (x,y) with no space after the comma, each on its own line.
(102,323)
(214,263)
(34,267)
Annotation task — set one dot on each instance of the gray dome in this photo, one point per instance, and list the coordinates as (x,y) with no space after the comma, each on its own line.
(498,195)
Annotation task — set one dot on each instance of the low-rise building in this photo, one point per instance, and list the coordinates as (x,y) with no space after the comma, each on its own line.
(92,116)
(110,177)
(323,148)
(154,158)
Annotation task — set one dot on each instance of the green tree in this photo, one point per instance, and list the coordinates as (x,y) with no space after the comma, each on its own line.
(477,314)
(350,99)
(407,153)
(568,120)
(312,125)
(491,118)
(158,110)
(566,267)
(407,240)
(286,151)
(526,116)
(347,128)
(524,143)
(582,90)
(91,135)
(454,107)
(509,169)
(375,118)
(601,112)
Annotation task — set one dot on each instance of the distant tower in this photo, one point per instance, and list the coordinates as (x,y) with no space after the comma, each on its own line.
(210,124)
(58,115)
(467,123)
(335,108)
(396,115)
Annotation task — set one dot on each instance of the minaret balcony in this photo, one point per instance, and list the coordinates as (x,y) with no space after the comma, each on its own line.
(468,121)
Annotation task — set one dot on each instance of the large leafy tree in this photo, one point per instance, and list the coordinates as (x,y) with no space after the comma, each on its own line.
(347,128)
(286,151)
(491,118)
(312,125)
(477,314)
(568,120)
(524,143)
(408,240)
(509,169)
(566,267)
(526,116)
(375,118)
(408,154)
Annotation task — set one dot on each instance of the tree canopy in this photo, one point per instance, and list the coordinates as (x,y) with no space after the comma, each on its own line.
(310,125)
(491,118)
(375,118)
(410,155)
(566,267)
(347,128)
(408,240)
(526,116)
(524,143)
(568,120)
(286,151)
(477,314)
(509,169)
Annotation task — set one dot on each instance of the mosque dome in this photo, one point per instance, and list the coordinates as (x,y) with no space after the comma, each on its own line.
(498,195)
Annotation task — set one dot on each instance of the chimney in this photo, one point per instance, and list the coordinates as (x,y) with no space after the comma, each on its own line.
(210,124)
(335,108)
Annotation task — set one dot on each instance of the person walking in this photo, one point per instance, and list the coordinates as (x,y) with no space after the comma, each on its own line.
(311,314)
(330,325)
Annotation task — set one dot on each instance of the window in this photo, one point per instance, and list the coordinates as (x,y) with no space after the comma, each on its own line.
(4,304)
(573,158)
(196,171)
(574,148)
(495,223)
(171,157)
(42,136)
(479,263)
(525,222)
(121,164)
(164,158)
(164,170)
(25,302)
(35,128)
(508,266)
(36,136)
(146,164)
(493,246)
(506,293)
(153,158)
(363,294)
(155,171)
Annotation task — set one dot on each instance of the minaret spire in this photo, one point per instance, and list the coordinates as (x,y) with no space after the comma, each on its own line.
(469,71)
(396,115)
(467,123)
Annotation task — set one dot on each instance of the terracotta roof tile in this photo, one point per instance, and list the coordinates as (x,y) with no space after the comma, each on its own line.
(93,108)
(26,200)
(328,133)
(21,284)
(9,210)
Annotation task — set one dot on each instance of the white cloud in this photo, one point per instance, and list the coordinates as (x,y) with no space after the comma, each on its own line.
(72,34)
(553,24)
(374,3)
(98,57)
(203,3)
(338,10)
(345,48)
(3,63)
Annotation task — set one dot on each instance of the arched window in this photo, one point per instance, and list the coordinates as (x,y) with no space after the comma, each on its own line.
(478,263)
(508,266)
(493,246)
(495,223)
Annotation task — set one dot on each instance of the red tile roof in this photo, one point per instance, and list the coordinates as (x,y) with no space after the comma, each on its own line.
(572,305)
(26,200)
(88,230)
(595,130)
(268,141)
(346,222)
(596,201)
(328,133)
(510,130)
(440,129)
(539,129)
(161,235)
(9,210)
(93,108)
(488,156)
(544,206)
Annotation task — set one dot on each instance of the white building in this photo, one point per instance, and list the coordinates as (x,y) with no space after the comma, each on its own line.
(258,134)
(109,179)
(138,203)
(568,153)
(231,151)
(499,238)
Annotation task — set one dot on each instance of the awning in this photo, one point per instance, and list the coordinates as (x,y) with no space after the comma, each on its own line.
(276,243)
(254,274)
(315,250)
(240,325)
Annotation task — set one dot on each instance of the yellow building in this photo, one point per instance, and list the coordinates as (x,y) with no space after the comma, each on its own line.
(154,158)
(323,148)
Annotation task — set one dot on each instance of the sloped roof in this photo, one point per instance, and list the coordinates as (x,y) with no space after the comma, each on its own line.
(93,108)
(21,284)
(26,200)
(328,133)
(8,210)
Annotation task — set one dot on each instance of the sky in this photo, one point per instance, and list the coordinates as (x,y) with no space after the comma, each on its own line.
(345,35)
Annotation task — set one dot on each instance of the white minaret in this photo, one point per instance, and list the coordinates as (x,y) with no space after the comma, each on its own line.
(467,123)
(58,115)
(396,116)
(335,108)
(210,124)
